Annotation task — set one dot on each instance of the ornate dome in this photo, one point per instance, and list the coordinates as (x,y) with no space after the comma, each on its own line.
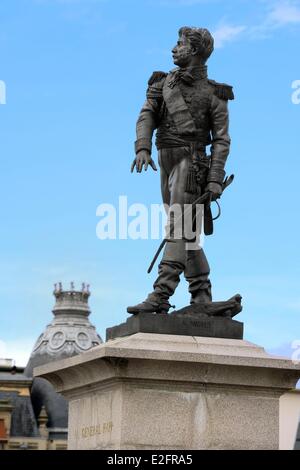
(70,333)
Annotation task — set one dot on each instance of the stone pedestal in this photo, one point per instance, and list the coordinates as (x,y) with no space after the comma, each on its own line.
(155,391)
(176,324)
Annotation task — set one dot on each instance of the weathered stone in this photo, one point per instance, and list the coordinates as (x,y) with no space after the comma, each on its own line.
(153,391)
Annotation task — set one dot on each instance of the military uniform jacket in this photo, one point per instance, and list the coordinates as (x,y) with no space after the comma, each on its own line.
(185,106)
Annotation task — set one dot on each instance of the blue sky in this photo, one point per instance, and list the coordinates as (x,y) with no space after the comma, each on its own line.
(75,74)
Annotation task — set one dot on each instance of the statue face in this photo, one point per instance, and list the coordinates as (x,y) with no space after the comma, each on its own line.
(182,52)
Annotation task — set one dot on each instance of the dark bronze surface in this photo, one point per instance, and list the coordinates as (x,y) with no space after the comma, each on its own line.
(189,112)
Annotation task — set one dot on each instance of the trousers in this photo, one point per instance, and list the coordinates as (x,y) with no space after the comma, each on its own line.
(177,259)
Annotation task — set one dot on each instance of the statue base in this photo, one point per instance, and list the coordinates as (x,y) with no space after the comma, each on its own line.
(213,319)
(154,391)
(215,327)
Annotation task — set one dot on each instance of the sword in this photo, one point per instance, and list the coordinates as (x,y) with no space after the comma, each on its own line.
(208,218)
(199,200)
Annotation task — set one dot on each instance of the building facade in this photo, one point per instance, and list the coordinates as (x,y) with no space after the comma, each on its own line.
(32,415)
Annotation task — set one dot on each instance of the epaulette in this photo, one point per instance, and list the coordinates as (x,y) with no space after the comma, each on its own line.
(222,91)
(156,77)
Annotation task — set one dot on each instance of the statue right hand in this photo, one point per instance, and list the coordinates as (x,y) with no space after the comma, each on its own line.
(143,158)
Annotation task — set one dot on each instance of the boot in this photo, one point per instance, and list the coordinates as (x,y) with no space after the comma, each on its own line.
(159,307)
(197,274)
(203,296)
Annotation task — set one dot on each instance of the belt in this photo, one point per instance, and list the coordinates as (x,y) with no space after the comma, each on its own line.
(199,147)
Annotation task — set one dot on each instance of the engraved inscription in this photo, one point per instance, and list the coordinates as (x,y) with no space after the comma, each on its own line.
(90,431)
(201,324)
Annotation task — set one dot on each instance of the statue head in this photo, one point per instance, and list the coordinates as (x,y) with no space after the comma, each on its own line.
(194,46)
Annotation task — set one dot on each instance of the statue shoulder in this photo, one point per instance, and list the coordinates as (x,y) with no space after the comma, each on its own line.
(222,90)
(155,85)
(157,77)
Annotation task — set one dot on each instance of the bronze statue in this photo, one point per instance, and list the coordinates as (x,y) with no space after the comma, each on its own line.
(190,112)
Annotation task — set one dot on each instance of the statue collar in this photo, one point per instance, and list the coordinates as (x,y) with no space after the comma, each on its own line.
(188,75)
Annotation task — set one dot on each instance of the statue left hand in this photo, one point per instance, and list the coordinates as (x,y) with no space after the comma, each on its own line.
(215,189)
(143,159)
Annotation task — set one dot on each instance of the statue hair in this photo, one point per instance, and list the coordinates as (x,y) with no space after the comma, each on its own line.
(200,39)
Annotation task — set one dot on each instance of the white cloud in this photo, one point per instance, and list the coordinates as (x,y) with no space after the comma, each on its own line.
(284,13)
(227,33)
(18,350)
(280,14)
